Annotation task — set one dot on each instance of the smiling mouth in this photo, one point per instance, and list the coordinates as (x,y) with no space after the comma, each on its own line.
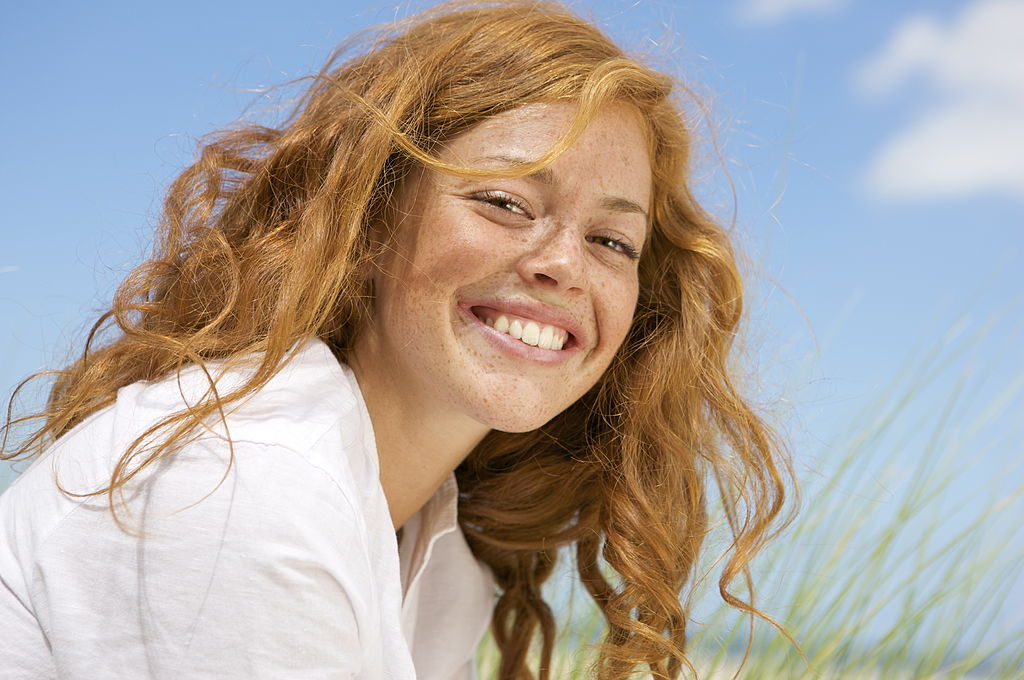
(527,331)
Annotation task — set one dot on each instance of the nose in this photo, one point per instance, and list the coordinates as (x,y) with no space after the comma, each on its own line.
(556,259)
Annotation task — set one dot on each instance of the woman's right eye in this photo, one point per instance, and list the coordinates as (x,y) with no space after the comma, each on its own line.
(503,201)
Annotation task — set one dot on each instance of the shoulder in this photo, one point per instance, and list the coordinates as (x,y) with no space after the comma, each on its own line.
(300,447)
(257,494)
(311,407)
(310,393)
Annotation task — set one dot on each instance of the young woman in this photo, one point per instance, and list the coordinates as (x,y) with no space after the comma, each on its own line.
(459,312)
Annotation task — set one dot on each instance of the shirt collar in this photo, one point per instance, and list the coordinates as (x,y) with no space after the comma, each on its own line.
(437,517)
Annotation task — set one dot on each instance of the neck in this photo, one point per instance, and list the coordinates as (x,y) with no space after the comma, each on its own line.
(418,444)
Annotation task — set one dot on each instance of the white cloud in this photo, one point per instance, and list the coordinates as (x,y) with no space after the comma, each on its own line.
(768,11)
(970,136)
(6,269)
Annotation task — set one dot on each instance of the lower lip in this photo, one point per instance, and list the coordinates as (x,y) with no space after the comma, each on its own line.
(516,348)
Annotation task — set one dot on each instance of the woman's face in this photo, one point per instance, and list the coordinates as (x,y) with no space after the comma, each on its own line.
(506,299)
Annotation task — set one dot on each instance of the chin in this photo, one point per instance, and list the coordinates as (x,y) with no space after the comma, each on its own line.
(516,419)
(518,405)
(516,427)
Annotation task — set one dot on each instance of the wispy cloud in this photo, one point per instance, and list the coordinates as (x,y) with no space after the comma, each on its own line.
(4,269)
(969,138)
(770,11)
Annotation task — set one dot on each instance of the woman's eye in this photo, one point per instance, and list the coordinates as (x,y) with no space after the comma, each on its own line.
(616,245)
(503,201)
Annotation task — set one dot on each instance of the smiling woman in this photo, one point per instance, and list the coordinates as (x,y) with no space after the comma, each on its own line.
(456,313)
(481,275)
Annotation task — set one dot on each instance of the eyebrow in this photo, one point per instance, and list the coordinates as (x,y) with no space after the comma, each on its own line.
(547,176)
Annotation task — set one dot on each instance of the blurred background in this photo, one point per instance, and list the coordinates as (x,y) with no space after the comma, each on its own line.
(870,157)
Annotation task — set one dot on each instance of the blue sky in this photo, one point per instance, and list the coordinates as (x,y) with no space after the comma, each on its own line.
(876,151)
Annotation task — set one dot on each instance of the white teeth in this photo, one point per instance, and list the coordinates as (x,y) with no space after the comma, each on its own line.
(531,333)
(546,336)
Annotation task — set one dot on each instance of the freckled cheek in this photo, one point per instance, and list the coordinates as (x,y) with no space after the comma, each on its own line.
(620,305)
(462,258)
(462,250)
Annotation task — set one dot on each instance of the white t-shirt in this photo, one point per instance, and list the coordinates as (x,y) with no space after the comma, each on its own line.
(288,568)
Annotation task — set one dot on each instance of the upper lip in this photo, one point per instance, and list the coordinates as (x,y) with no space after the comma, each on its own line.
(536,310)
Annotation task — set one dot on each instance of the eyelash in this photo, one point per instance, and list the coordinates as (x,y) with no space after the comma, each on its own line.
(616,245)
(503,201)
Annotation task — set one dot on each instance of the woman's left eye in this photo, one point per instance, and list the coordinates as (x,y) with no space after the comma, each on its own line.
(616,245)
(503,201)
